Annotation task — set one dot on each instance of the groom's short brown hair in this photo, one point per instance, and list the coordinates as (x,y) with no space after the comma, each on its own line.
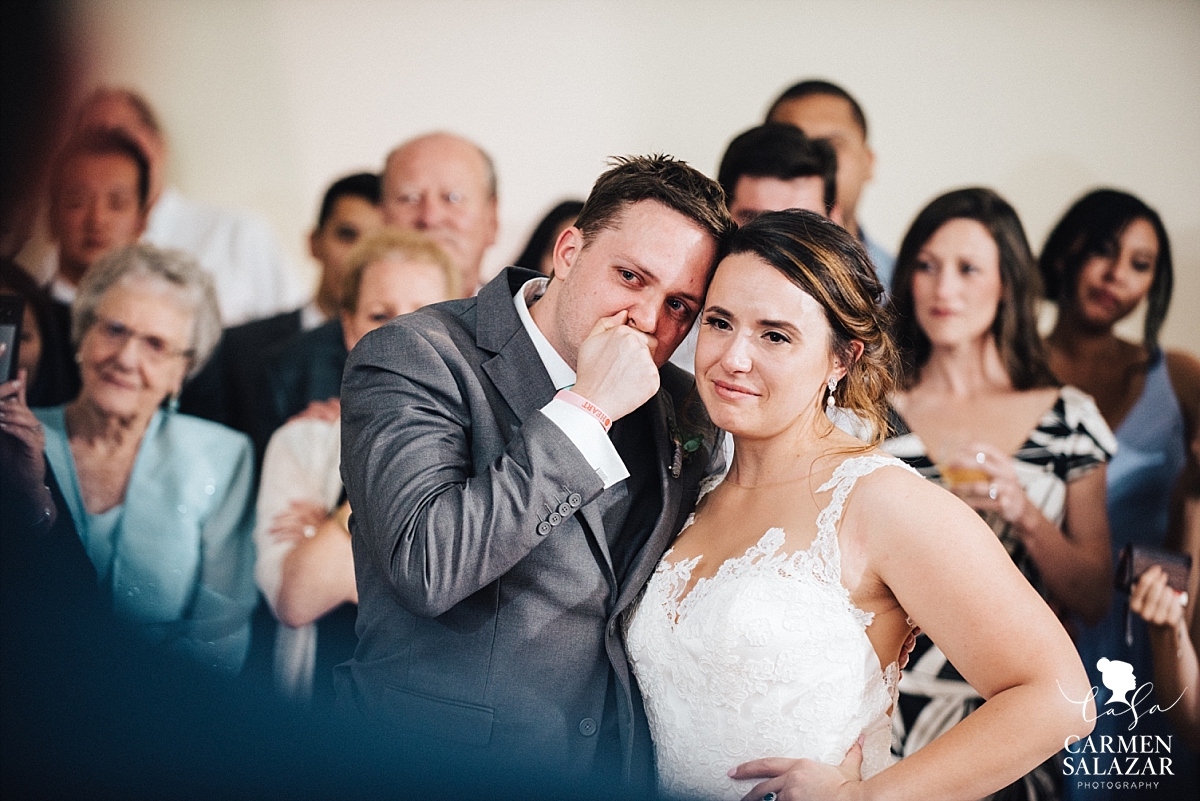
(661,178)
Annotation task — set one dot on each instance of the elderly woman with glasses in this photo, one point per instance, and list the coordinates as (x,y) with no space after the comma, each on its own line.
(162,501)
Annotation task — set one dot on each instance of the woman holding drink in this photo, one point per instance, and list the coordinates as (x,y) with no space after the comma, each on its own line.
(980,412)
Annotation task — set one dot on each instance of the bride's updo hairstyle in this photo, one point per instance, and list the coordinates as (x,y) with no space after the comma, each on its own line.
(830,265)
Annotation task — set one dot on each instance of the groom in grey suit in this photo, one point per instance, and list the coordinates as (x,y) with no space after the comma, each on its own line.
(500,528)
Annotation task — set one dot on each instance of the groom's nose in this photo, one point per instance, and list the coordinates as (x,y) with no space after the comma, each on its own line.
(644,317)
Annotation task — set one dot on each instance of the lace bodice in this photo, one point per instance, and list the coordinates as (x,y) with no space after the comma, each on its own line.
(769,657)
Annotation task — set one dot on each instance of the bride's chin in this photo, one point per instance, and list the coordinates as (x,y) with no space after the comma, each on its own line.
(727,419)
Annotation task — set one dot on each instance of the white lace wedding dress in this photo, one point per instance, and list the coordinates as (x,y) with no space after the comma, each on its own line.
(767,658)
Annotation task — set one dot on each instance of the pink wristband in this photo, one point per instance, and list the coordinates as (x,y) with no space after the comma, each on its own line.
(581,402)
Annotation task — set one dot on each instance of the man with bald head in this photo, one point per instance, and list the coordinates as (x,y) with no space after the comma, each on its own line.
(444,186)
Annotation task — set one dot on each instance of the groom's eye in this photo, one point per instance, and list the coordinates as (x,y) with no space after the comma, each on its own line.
(677,307)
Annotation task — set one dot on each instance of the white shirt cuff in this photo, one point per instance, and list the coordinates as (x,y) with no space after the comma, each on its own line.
(586,433)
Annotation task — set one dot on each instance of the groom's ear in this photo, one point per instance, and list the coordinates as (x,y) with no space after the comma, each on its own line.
(566,251)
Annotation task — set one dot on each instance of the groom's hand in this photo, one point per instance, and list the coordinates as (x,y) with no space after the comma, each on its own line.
(615,368)
(794,779)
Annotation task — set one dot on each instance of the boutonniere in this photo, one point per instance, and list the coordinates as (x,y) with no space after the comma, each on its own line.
(686,443)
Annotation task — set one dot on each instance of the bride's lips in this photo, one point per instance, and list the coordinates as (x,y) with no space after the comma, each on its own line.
(728,391)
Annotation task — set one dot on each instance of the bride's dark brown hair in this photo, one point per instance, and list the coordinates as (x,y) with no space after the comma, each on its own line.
(831,266)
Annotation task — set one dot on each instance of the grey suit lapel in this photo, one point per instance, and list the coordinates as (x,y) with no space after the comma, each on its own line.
(516,370)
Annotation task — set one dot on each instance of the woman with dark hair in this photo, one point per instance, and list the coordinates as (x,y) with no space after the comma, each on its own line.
(1107,256)
(538,251)
(50,378)
(979,411)
(768,661)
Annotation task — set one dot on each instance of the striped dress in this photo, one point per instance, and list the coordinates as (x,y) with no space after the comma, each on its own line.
(1070,440)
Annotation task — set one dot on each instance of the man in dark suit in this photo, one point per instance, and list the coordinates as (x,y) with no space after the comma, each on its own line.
(233,388)
(499,528)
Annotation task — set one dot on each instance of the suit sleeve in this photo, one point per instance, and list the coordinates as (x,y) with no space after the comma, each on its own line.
(413,411)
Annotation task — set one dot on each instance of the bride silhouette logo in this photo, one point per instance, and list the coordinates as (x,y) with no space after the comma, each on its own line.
(1128,697)
(1118,677)
(1099,758)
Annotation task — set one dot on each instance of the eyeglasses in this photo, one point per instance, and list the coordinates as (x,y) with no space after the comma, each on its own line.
(115,334)
(412,197)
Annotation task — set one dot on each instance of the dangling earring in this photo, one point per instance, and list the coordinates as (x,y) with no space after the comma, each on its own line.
(831,385)
(173,402)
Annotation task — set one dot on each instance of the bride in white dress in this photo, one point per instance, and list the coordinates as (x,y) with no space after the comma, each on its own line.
(765,644)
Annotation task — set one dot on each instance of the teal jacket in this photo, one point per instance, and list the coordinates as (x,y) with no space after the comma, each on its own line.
(180,558)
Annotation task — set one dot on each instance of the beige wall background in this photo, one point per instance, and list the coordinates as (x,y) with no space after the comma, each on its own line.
(266,101)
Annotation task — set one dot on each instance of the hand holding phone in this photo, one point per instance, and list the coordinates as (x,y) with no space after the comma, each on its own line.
(12,313)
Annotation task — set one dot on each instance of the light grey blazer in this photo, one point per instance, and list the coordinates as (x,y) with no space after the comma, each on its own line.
(488,605)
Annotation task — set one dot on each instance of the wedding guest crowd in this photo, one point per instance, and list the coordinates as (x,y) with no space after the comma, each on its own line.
(173,438)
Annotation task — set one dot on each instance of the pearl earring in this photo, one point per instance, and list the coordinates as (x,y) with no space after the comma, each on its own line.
(831,385)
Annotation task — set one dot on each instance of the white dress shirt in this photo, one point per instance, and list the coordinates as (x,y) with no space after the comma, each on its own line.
(585,431)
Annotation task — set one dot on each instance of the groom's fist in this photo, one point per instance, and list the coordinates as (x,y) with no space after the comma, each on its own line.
(615,368)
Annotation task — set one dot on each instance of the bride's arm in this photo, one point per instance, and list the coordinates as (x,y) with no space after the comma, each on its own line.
(953,578)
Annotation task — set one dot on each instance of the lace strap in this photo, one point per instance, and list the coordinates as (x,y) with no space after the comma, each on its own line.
(709,484)
(842,482)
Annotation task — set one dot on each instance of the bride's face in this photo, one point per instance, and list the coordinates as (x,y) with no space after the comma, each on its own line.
(763,355)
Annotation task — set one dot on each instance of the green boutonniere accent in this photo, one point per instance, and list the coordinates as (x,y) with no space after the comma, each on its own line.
(686,443)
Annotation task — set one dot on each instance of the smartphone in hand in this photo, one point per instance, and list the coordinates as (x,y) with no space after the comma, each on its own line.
(12,311)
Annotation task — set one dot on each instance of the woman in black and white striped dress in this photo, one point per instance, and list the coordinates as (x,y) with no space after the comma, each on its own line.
(980,412)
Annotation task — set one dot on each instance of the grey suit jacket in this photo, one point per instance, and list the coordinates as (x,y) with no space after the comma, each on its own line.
(488,605)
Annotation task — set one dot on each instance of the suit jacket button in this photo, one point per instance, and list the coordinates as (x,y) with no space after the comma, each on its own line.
(543,528)
(564,508)
(587,727)
(554,518)
(575,499)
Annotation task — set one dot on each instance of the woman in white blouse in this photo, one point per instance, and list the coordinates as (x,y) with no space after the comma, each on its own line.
(305,565)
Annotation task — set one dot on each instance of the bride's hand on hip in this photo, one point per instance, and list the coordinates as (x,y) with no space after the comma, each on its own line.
(795,779)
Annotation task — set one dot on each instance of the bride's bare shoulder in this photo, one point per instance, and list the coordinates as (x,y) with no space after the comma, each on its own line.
(896,498)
